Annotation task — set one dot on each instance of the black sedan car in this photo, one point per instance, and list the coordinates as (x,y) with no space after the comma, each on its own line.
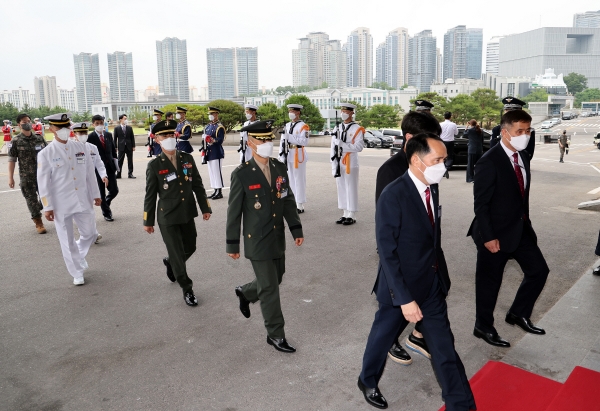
(371,140)
(460,146)
(386,141)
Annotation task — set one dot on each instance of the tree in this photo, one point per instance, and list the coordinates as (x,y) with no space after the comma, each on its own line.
(537,95)
(382,85)
(575,82)
(382,116)
(440,104)
(77,118)
(590,94)
(269,111)
(490,105)
(231,113)
(310,114)
(136,114)
(196,114)
(464,108)
(8,112)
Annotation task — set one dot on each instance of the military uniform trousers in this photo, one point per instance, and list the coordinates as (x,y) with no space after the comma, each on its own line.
(75,251)
(215,174)
(180,240)
(29,190)
(347,188)
(297,176)
(562,151)
(265,288)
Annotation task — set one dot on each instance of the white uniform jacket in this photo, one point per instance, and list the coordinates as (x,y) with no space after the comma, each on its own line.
(296,134)
(350,138)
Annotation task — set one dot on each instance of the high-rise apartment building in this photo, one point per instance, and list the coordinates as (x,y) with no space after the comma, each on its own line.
(463,49)
(474,53)
(492,55)
(359,53)
(589,19)
(120,76)
(380,63)
(439,77)
(67,99)
(319,60)
(335,62)
(46,94)
(396,58)
(87,81)
(246,71)
(232,72)
(422,52)
(171,58)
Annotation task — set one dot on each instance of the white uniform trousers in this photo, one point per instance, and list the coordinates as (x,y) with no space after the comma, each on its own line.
(347,188)
(73,252)
(297,178)
(214,172)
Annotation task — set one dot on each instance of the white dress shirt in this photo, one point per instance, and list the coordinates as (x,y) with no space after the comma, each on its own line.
(449,130)
(421,189)
(510,154)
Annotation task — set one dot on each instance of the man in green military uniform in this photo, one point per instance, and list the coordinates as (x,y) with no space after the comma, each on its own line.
(563,144)
(24,148)
(174,177)
(260,193)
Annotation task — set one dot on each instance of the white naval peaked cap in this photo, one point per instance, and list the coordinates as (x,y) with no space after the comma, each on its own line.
(348,106)
(295,106)
(251,106)
(59,119)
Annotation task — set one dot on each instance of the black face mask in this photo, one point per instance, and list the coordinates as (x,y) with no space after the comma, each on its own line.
(26,126)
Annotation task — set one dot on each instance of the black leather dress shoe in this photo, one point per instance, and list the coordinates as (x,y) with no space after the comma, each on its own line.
(300,211)
(525,324)
(118,175)
(280,344)
(398,354)
(213,195)
(349,221)
(190,299)
(170,274)
(218,195)
(244,304)
(446,174)
(418,345)
(596,271)
(131,176)
(373,396)
(491,339)
(341,220)
(109,218)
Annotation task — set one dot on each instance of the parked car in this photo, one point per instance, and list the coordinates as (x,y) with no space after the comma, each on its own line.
(386,141)
(546,125)
(567,115)
(555,120)
(371,140)
(398,139)
(585,114)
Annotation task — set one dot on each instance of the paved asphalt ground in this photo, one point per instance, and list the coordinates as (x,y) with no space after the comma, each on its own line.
(126,340)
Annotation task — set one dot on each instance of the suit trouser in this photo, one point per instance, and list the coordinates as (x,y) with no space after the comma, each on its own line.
(488,279)
(69,247)
(265,288)
(435,327)
(215,174)
(472,159)
(180,240)
(347,189)
(113,190)
(450,154)
(30,192)
(127,150)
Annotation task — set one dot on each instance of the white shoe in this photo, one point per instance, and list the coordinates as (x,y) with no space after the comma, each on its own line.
(98,238)
(84,264)
(78,281)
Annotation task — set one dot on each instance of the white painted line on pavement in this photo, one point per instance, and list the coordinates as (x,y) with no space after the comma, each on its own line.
(594,167)
(594,191)
(8,191)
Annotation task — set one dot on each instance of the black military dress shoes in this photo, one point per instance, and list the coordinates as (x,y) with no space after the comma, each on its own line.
(190,299)
(596,271)
(373,396)
(491,338)
(244,304)
(349,221)
(280,344)
(418,345)
(399,354)
(131,176)
(218,194)
(341,220)
(213,194)
(525,324)
(109,218)
(170,274)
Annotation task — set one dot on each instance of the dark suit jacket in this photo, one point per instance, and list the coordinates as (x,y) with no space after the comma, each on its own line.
(475,141)
(394,167)
(499,206)
(409,246)
(124,140)
(107,155)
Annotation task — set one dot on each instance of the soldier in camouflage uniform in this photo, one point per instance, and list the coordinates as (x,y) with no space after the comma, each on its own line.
(25,147)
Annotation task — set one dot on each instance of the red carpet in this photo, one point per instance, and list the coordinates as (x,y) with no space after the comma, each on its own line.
(581,392)
(502,387)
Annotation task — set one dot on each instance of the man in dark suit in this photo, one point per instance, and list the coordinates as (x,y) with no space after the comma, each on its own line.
(502,230)
(413,123)
(103,140)
(125,142)
(512,103)
(413,281)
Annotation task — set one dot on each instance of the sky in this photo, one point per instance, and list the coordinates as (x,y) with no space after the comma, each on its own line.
(40,36)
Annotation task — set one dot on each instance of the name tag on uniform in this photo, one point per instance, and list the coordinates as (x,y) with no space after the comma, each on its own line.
(284,193)
(38,147)
(171,176)
(80,160)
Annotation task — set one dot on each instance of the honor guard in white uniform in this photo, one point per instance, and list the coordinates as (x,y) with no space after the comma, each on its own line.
(346,143)
(245,153)
(293,154)
(67,184)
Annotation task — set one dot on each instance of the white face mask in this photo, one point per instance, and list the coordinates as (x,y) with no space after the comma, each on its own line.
(63,134)
(248,116)
(125,122)
(177,116)
(434,174)
(82,138)
(154,118)
(265,149)
(211,117)
(292,116)
(519,142)
(169,144)
(345,116)
(99,129)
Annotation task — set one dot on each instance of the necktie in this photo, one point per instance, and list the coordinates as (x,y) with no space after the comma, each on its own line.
(102,141)
(428,201)
(123,130)
(519,174)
